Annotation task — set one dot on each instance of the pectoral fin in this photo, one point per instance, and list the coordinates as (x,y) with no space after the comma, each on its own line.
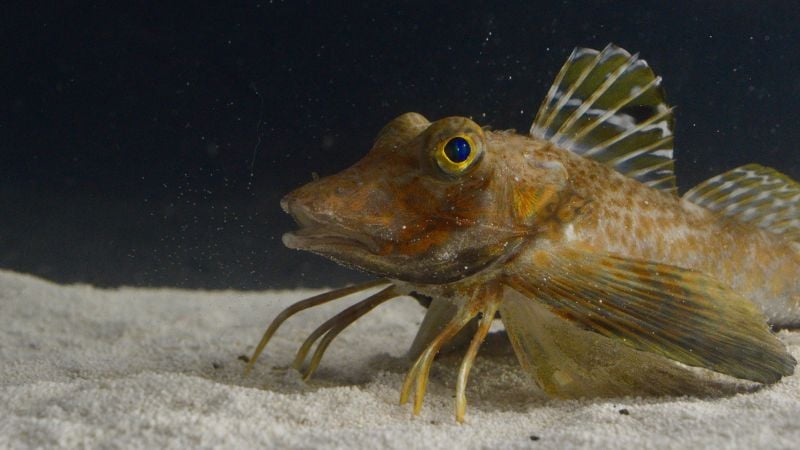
(569,362)
(678,313)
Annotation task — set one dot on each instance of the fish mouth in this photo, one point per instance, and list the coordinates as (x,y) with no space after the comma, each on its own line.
(321,236)
(325,240)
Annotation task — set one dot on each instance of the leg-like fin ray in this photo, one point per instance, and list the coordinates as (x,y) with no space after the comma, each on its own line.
(335,325)
(418,374)
(463,372)
(302,305)
(439,313)
(483,299)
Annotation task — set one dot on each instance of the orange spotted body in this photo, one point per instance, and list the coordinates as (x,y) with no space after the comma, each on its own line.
(626,218)
(574,237)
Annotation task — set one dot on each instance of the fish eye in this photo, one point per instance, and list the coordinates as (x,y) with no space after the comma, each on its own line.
(457,150)
(456,154)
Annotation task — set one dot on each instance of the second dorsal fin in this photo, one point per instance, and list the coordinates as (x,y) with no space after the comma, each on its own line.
(609,106)
(753,194)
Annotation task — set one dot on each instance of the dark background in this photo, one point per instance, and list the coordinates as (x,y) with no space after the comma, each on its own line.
(149,144)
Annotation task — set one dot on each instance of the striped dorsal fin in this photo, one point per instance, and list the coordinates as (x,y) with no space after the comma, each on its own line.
(753,194)
(609,106)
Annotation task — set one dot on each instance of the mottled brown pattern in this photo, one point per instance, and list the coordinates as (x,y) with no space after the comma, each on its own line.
(630,220)
(432,227)
(606,265)
(621,216)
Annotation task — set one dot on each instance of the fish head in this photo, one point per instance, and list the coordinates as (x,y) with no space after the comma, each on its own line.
(430,203)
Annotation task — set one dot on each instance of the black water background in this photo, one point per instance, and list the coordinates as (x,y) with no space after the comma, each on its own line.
(128,132)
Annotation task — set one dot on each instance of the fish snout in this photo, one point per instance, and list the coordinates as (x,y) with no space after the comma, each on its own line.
(315,203)
(302,208)
(329,199)
(329,220)
(285,203)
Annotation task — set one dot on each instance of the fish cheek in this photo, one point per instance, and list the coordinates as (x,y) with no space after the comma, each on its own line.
(448,240)
(418,226)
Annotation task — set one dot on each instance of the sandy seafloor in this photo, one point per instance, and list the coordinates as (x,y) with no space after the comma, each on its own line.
(159,368)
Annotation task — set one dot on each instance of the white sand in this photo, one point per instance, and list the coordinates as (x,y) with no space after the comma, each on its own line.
(137,368)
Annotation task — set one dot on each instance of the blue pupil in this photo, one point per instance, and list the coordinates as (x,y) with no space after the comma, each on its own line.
(457,150)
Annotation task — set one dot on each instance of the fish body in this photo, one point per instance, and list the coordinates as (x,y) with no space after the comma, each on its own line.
(573,236)
(622,216)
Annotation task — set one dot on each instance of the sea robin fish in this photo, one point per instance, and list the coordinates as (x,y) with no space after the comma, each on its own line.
(573,236)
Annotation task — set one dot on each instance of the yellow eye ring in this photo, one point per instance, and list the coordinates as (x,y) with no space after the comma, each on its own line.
(456,154)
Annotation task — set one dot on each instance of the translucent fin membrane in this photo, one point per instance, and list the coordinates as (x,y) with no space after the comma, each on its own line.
(568,361)
(609,106)
(753,194)
(674,312)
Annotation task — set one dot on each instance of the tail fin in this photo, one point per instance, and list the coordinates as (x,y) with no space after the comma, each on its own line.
(754,194)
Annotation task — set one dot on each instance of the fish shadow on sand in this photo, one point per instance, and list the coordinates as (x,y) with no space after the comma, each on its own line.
(496,383)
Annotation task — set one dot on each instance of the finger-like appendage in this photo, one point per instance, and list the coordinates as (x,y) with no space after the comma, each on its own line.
(302,352)
(363,308)
(302,305)
(483,298)
(422,377)
(411,375)
(469,359)
(430,353)
(316,358)
(343,319)
(419,371)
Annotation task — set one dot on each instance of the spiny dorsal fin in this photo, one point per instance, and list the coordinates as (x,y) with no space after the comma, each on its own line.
(609,106)
(753,194)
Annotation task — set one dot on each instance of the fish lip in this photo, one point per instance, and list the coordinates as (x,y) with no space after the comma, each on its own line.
(324,240)
(315,234)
